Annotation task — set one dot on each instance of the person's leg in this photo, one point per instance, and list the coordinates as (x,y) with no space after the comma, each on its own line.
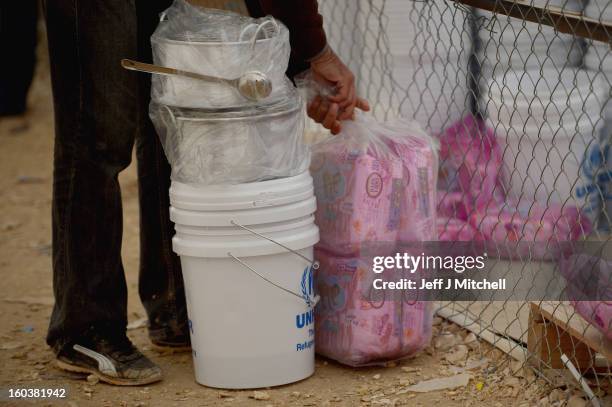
(95,104)
(18,29)
(161,282)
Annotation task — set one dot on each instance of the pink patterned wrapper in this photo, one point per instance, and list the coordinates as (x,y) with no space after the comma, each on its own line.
(418,209)
(358,198)
(453,205)
(472,162)
(473,191)
(529,229)
(355,329)
(456,230)
(416,320)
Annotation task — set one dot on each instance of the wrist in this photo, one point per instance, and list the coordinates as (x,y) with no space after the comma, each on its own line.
(324,55)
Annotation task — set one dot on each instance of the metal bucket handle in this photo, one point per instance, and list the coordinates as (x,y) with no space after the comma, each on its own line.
(253,40)
(257,30)
(311,301)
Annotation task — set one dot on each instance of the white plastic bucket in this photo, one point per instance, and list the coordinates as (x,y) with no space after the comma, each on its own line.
(243,196)
(546,126)
(248,281)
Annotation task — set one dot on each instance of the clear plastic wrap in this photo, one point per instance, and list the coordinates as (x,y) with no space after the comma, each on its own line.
(219,44)
(375,182)
(375,185)
(227,147)
(358,331)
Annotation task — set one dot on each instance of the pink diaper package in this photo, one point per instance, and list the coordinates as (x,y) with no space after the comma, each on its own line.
(471,163)
(598,313)
(529,229)
(358,198)
(453,204)
(354,326)
(418,209)
(455,230)
(375,185)
(472,191)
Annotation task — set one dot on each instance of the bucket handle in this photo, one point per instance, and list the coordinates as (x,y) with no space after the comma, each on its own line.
(314,263)
(258,29)
(310,301)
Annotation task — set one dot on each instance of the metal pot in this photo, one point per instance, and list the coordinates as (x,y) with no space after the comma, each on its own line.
(264,47)
(230,147)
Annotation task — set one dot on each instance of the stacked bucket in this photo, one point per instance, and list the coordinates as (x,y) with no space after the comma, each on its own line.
(511,43)
(241,198)
(598,64)
(545,109)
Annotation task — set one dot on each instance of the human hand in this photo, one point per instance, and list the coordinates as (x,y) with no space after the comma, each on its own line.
(329,70)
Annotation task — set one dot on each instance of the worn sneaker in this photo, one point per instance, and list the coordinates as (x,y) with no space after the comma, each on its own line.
(114,361)
(170,338)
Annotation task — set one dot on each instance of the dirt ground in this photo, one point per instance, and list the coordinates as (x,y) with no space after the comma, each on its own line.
(26,146)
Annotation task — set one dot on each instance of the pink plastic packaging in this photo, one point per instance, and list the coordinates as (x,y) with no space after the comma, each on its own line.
(529,229)
(358,329)
(376,188)
(472,163)
(358,198)
(375,183)
(472,190)
(418,209)
(453,205)
(455,230)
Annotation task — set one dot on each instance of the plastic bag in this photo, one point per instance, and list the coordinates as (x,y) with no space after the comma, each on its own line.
(375,185)
(256,144)
(472,163)
(455,230)
(529,230)
(356,330)
(219,44)
(472,191)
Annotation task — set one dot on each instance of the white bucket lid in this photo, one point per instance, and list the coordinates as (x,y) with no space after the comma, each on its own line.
(236,231)
(255,216)
(275,192)
(245,246)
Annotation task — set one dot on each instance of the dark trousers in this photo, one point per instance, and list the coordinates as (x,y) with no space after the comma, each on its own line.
(18,21)
(101,112)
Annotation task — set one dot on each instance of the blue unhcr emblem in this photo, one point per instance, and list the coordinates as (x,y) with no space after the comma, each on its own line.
(308,285)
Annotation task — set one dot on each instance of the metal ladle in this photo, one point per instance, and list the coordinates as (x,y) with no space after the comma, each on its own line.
(252,85)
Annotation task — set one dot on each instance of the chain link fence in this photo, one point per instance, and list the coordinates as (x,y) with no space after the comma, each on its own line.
(536,75)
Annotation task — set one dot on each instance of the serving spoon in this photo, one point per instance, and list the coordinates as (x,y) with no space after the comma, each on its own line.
(252,85)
